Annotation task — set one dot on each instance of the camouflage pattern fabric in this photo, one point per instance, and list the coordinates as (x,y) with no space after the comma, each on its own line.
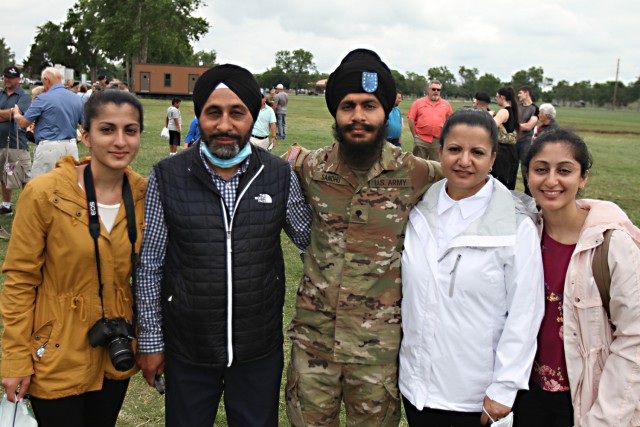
(348,300)
(315,388)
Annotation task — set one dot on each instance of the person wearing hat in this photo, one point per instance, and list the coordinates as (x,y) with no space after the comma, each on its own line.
(11,95)
(346,329)
(281,100)
(482,100)
(211,286)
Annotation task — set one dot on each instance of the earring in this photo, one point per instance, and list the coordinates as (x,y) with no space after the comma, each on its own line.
(490,169)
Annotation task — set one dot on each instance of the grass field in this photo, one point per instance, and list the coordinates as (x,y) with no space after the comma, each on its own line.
(613,178)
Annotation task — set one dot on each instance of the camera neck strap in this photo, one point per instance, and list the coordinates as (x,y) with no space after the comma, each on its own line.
(94,228)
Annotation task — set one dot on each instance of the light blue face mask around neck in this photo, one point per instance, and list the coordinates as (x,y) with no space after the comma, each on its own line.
(226,163)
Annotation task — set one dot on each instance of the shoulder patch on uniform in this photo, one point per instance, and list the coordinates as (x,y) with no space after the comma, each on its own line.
(369,81)
(292,155)
(295,156)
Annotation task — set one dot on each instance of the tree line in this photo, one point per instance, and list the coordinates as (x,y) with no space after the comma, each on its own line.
(296,70)
(98,37)
(103,37)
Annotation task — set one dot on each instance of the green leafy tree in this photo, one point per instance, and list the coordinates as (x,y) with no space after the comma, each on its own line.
(50,46)
(634,92)
(415,84)
(603,93)
(297,65)
(7,57)
(582,91)
(273,77)
(562,92)
(400,81)
(141,31)
(284,61)
(205,59)
(533,77)
(489,84)
(87,56)
(445,77)
(468,80)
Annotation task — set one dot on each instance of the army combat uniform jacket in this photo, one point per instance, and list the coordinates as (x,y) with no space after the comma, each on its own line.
(348,300)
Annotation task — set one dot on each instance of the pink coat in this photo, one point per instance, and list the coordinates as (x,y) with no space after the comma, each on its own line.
(604,367)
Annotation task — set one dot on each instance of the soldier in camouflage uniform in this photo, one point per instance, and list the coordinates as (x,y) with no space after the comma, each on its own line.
(346,329)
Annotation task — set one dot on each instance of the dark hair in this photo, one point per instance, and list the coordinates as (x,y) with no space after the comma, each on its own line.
(482,97)
(98,99)
(472,116)
(510,95)
(562,136)
(176,101)
(527,89)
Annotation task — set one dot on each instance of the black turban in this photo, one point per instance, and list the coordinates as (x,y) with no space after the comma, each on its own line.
(238,79)
(361,71)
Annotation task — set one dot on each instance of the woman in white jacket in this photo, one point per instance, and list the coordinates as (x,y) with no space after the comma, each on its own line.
(472,287)
(586,373)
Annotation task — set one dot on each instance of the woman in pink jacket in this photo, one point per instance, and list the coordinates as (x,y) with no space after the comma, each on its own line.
(587,370)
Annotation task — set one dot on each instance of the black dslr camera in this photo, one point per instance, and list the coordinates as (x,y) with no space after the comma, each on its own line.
(116,335)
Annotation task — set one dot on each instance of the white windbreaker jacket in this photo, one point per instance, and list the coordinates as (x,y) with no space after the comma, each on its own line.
(470,319)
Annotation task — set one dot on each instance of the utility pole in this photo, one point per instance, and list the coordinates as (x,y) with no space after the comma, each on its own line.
(615,88)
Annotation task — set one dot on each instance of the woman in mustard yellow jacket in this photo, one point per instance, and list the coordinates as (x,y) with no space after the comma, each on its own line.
(67,338)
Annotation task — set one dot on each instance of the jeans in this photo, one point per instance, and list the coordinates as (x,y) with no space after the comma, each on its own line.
(281,118)
(523,149)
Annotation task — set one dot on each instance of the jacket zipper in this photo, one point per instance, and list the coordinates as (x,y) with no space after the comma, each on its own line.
(452,282)
(228,224)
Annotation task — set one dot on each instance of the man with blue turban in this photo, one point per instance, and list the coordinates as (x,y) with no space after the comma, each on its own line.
(346,329)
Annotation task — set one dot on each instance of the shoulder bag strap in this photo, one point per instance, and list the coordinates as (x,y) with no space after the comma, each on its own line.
(601,272)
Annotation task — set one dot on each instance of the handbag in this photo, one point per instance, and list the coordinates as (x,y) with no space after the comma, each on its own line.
(16,414)
(507,138)
(17,165)
(164,134)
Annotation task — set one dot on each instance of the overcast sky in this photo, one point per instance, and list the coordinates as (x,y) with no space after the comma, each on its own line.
(571,40)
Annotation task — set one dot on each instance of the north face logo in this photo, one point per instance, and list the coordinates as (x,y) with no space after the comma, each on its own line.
(263,198)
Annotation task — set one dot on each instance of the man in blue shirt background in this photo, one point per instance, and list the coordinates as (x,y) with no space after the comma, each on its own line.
(193,135)
(57,113)
(394,124)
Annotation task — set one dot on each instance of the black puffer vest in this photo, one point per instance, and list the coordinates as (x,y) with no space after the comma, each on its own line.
(205,274)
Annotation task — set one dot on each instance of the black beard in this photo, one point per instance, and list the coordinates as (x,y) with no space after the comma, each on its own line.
(224,151)
(363,154)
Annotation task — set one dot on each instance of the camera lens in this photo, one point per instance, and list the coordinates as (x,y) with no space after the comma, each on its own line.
(121,354)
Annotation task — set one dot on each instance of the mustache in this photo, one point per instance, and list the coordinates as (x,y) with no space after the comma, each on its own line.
(352,126)
(224,135)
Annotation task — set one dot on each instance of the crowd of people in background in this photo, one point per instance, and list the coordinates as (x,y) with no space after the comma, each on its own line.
(427,281)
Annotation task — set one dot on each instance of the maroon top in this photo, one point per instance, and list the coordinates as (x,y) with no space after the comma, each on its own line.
(549,367)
